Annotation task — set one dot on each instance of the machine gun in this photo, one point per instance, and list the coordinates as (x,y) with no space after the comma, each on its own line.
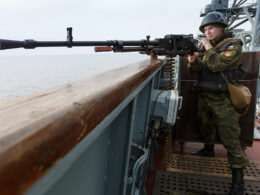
(170,45)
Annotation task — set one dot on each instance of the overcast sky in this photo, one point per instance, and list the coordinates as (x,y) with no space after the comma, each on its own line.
(47,20)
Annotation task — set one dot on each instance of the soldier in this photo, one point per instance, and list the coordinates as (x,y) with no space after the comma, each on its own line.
(219,60)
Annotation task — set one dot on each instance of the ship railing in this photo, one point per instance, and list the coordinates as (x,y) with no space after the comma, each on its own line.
(78,138)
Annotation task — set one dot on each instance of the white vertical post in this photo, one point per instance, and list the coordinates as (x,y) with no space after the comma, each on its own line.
(255,46)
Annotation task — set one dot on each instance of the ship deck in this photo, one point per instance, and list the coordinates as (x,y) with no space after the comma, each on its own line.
(185,148)
(182,174)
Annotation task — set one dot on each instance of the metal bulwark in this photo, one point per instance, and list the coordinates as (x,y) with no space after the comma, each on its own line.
(78,138)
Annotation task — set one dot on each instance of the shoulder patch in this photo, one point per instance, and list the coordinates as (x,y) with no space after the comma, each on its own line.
(227,54)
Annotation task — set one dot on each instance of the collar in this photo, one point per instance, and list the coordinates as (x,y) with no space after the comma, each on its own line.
(221,38)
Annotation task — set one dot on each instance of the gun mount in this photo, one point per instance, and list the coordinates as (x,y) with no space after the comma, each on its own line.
(170,45)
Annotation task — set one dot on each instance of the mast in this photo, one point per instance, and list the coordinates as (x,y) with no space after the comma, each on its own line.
(255,46)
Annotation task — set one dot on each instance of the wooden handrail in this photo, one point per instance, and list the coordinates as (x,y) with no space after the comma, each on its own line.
(39,129)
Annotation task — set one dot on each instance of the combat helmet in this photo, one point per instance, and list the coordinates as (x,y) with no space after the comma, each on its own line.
(213,18)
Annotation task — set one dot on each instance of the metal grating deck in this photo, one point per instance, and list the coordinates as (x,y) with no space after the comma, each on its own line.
(171,183)
(196,175)
(210,166)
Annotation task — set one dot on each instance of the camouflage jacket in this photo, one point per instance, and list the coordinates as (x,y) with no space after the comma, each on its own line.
(221,58)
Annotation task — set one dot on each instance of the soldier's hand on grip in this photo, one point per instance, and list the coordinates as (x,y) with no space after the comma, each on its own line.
(192,58)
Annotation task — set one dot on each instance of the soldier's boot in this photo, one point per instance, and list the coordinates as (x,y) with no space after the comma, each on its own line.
(208,151)
(237,187)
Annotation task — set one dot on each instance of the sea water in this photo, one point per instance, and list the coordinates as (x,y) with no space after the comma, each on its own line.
(21,75)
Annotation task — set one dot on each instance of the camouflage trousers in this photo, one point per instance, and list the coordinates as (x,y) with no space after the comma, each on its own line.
(217,113)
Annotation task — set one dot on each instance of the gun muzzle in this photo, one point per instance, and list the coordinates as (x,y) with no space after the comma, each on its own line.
(12,44)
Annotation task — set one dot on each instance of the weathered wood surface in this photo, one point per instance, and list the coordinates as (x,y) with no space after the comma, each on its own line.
(38,129)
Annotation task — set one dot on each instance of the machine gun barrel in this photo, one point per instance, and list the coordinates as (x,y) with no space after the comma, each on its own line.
(170,45)
(31,44)
(92,43)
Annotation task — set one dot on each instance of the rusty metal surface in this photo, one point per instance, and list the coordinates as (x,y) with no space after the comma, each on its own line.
(39,129)
(188,125)
(171,183)
(250,61)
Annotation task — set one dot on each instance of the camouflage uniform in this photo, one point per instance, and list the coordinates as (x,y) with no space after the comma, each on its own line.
(215,110)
